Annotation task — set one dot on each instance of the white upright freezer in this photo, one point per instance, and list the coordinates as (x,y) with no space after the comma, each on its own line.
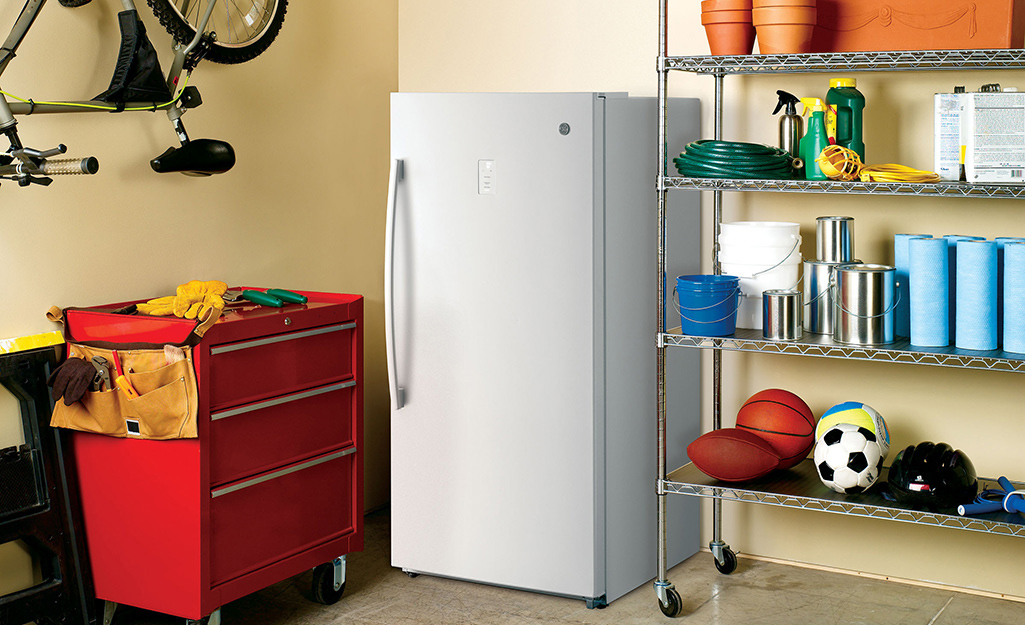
(520,296)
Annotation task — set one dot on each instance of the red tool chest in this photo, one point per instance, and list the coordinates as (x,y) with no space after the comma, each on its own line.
(272,486)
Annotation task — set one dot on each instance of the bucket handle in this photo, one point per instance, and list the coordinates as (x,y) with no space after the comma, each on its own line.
(889,310)
(828,289)
(736,292)
(797,242)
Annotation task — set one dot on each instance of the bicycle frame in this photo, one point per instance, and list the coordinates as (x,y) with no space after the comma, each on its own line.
(21,28)
(9,110)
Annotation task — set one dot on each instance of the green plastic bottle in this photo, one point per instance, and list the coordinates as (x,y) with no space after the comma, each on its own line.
(844,114)
(814,139)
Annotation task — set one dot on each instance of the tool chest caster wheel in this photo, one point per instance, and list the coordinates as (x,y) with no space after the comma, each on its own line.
(672,609)
(329,581)
(729,563)
(214,618)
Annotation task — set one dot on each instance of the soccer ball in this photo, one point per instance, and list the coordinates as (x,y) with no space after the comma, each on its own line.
(858,414)
(848,458)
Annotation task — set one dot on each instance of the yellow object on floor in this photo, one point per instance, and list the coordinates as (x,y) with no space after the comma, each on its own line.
(24,343)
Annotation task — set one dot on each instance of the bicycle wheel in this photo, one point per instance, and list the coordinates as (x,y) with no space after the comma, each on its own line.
(244,28)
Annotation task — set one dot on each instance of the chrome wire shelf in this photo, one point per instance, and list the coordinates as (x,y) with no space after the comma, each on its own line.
(940,189)
(822,345)
(927,60)
(800,487)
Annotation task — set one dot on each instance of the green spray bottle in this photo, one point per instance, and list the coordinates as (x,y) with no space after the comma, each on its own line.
(844,115)
(815,139)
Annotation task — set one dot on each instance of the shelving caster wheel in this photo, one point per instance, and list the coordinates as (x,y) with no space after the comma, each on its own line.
(213,619)
(329,581)
(669,600)
(724,558)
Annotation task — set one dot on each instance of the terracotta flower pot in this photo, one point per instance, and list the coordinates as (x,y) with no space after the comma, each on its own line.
(760,4)
(784,15)
(725,17)
(784,30)
(727,5)
(729,32)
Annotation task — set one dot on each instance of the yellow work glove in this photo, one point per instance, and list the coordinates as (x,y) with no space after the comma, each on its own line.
(159,307)
(194,297)
(191,300)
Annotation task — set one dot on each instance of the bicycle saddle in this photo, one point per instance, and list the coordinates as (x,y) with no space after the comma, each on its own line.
(201,157)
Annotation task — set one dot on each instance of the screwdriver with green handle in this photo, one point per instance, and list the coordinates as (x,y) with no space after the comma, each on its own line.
(272,297)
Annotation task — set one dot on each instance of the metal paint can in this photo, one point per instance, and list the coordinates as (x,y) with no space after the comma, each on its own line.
(864,299)
(781,315)
(818,296)
(834,239)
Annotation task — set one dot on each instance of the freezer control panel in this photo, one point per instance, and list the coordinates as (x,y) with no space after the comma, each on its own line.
(485,177)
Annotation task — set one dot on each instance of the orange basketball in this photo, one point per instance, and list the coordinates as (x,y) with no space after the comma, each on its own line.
(783,420)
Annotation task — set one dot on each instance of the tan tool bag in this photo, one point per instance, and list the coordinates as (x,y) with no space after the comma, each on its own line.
(168,395)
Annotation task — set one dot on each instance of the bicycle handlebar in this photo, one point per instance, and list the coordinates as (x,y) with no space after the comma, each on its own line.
(53,167)
(71,166)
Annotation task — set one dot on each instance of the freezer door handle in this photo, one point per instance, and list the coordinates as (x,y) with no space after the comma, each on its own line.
(397,393)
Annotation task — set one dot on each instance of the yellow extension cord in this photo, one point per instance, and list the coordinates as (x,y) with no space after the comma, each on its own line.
(840,163)
(102,107)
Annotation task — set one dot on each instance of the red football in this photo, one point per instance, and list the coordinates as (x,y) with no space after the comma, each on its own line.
(732,455)
(783,420)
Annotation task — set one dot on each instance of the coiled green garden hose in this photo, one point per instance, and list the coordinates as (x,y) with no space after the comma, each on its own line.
(730,159)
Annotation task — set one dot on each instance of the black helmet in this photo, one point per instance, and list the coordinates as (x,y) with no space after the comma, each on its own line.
(933,476)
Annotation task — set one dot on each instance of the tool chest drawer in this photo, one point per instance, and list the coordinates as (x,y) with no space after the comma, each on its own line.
(272,485)
(264,518)
(267,366)
(274,432)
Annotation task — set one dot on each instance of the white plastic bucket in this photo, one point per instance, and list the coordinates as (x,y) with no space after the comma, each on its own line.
(757,278)
(768,255)
(762,233)
(749,313)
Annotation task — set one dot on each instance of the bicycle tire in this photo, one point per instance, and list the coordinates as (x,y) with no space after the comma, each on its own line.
(240,36)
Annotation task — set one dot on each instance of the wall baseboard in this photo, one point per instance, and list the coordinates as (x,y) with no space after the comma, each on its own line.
(887,578)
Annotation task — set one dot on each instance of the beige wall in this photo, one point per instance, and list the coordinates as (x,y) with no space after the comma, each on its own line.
(570,45)
(302,209)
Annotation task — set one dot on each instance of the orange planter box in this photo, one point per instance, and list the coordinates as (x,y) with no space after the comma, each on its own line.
(871,25)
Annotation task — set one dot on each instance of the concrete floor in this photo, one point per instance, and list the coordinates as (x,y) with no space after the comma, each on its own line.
(758,593)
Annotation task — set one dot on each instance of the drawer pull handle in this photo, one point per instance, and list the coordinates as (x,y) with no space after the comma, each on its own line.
(281,473)
(281,400)
(278,339)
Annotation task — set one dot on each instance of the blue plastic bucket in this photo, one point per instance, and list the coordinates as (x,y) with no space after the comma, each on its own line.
(708,304)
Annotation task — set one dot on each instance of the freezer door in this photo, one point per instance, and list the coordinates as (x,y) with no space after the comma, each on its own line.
(493,449)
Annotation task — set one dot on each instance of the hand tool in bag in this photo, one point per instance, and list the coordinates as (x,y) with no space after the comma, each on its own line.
(71,380)
(102,373)
(121,379)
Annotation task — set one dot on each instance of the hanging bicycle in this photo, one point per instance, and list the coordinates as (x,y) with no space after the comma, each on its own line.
(223,31)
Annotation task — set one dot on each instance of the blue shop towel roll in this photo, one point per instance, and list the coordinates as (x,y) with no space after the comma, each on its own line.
(1014,298)
(976,297)
(952,240)
(1001,241)
(929,272)
(902,312)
